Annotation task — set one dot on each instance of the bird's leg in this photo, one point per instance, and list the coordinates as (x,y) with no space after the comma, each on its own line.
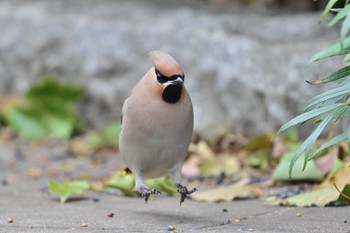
(184,192)
(144,190)
(177,177)
(146,193)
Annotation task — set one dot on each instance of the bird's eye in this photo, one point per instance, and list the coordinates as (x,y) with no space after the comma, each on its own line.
(161,78)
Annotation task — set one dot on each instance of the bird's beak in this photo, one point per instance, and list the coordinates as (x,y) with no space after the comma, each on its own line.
(178,81)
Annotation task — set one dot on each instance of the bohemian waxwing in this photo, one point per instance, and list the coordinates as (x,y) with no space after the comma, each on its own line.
(157,125)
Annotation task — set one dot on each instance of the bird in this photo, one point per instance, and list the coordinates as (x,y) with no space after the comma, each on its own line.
(157,125)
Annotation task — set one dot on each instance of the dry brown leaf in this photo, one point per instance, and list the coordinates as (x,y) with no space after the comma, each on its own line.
(227,193)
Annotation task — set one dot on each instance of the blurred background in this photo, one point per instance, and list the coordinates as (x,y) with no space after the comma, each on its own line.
(246,61)
(66,67)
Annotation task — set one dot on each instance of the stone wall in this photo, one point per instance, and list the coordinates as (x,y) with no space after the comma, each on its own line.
(245,70)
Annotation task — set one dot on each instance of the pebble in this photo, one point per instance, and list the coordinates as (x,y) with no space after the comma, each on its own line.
(237,220)
(227,222)
(10,220)
(298,215)
(84,225)
(96,199)
(224,210)
(4,182)
(338,203)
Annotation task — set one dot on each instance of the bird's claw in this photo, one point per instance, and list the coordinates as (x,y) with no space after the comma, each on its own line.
(184,192)
(147,193)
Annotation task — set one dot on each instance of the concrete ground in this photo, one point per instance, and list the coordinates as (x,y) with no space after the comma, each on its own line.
(34,211)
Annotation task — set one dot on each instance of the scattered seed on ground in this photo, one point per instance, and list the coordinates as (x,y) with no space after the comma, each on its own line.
(84,225)
(44,188)
(298,215)
(237,220)
(10,220)
(110,215)
(169,228)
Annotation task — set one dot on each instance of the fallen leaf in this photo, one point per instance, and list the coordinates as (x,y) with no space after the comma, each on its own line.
(191,166)
(126,183)
(65,190)
(204,151)
(227,193)
(211,168)
(45,110)
(311,172)
(106,137)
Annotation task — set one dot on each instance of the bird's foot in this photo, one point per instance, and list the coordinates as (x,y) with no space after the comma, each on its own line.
(184,192)
(147,193)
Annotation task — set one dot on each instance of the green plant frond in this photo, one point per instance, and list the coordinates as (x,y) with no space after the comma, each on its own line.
(309,115)
(328,95)
(335,140)
(340,15)
(345,26)
(311,139)
(336,76)
(329,6)
(348,135)
(333,50)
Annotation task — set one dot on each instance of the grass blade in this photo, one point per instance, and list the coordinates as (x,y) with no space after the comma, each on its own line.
(333,77)
(337,139)
(309,115)
(345,27)
(333,50)
(336,92)
(310,141)
(348,134)
(341,14)
(329,6)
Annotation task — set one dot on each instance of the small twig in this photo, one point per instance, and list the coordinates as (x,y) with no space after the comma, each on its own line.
(340,192)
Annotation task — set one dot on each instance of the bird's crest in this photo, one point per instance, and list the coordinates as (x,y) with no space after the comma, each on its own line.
(165,64)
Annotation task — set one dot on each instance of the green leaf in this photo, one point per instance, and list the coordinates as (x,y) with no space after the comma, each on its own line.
(311,139)
(163,184)
(25,124)
(45,110)
(309,115)
(336,49)
(345,27)
(335,76)
(328,7)
(122,182)
(311,173)
(338,165)
(348,138)
(65,190)
(339,138)
(340,15)
(126,183)
(331,94)
(98,139)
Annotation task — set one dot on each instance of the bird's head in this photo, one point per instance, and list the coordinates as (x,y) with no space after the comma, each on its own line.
(168,75)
